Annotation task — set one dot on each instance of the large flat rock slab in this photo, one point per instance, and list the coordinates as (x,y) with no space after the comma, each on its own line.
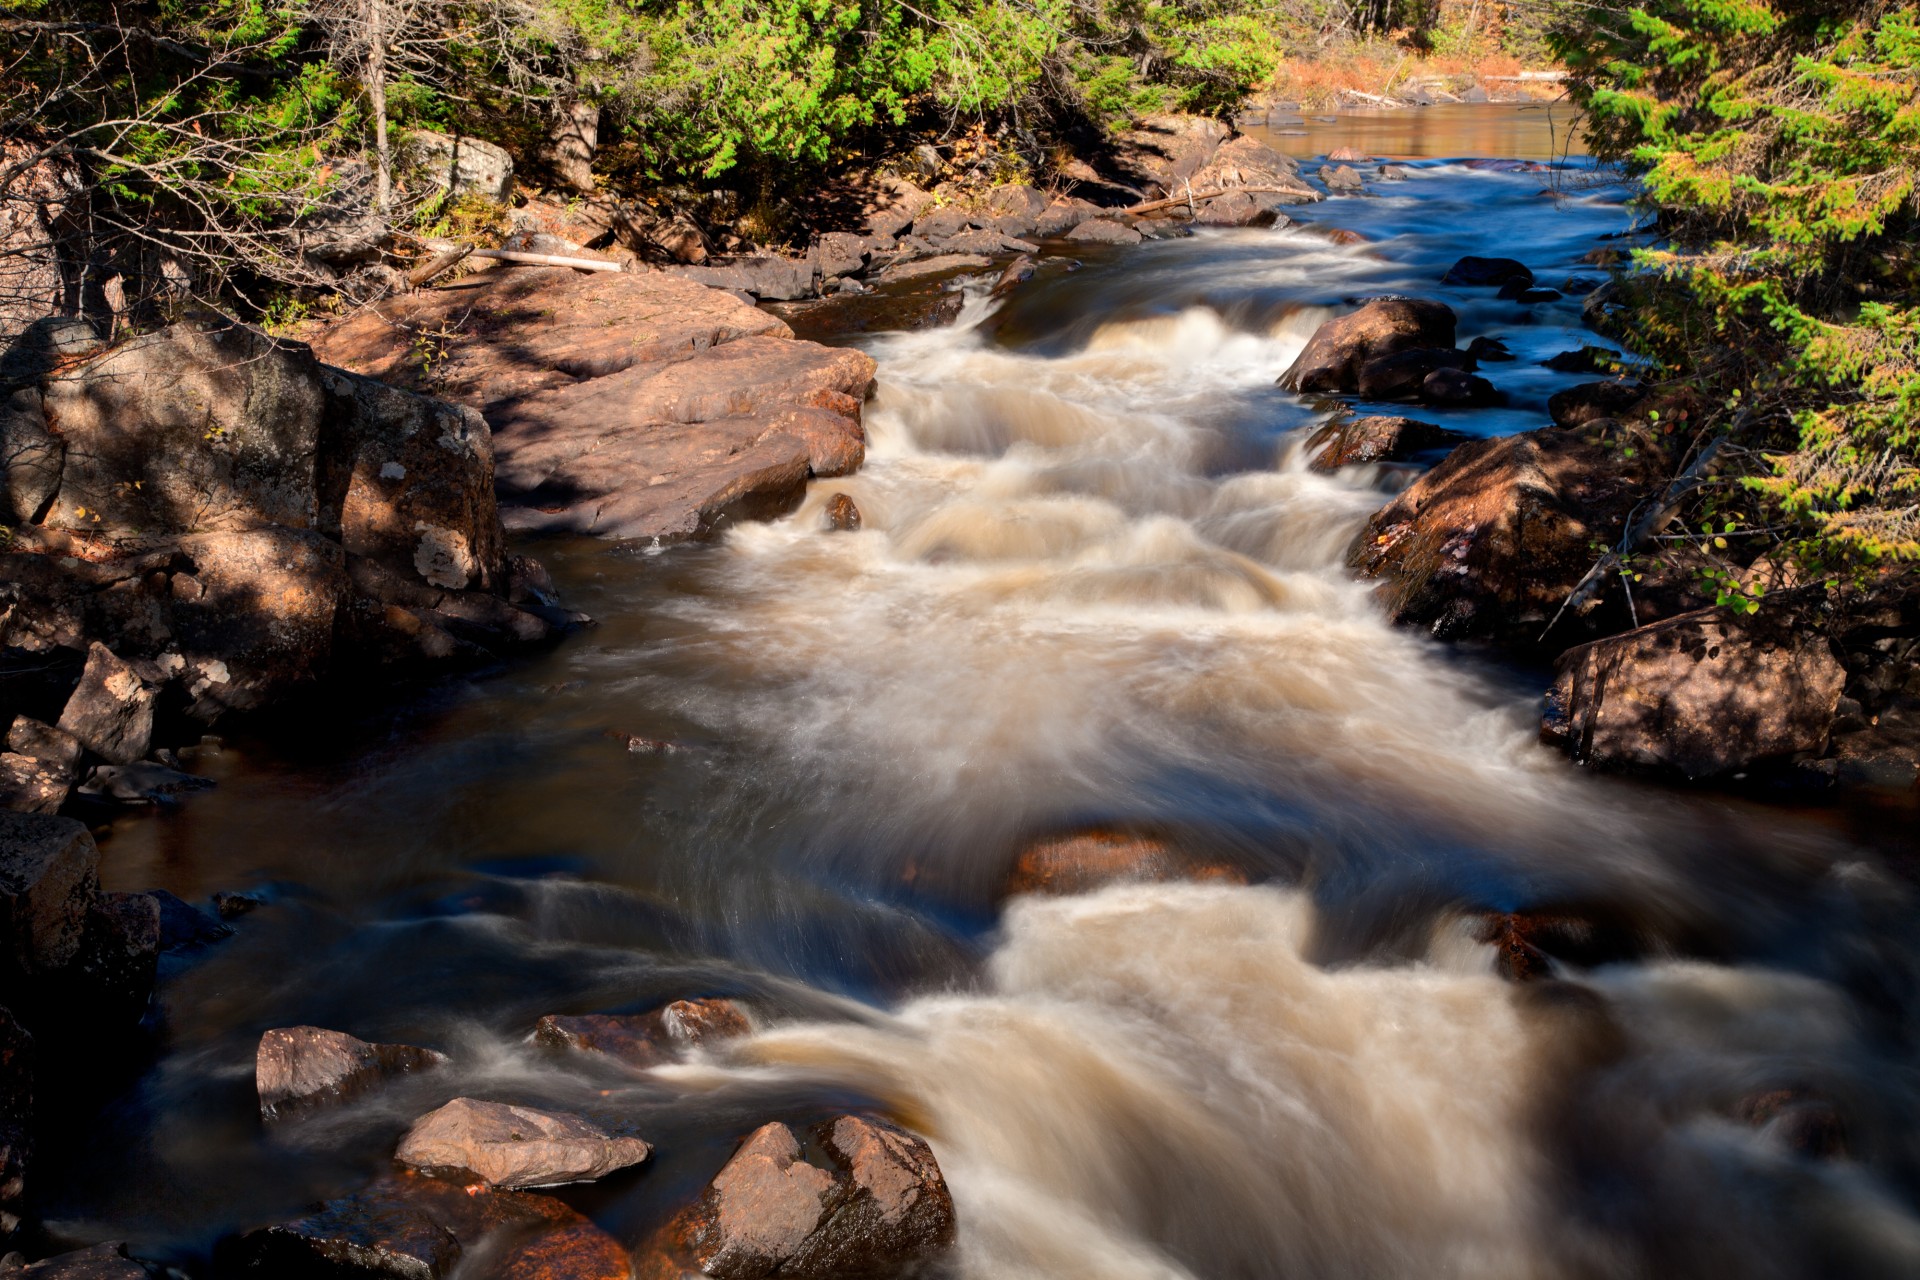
(626,405)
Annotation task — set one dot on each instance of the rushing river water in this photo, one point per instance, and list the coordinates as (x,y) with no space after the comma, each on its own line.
(1095,586)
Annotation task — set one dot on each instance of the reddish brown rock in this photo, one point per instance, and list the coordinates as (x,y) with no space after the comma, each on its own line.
(1491,541)
(1246,162)
(412,1227)
(111,710)
(1400,376)
(882,1208)
(1593,401)
(643,1040)
(1334,356)
(1353,441)
(1703,694)
(1088,860)
(842,515)
(49,873)
(630,406)
(301,1069)
(1167,151)
(1800,1119)
(1104,231)
(509,1146)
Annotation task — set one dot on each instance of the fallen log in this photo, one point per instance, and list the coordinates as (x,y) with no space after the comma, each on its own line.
(1152,206)
(547,260)
(438,265)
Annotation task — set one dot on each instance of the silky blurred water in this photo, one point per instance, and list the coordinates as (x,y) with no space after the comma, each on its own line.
(1095,584)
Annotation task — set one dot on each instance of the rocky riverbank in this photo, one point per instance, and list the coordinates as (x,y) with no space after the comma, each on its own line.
(1547,545)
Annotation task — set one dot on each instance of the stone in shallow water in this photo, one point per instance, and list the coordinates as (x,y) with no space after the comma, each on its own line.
(102,1262)
(1088,860)
(509,1146)
(882,1208)
(300,1069)
(1377,439)
(642,1040)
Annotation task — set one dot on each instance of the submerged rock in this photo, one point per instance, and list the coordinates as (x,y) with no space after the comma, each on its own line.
(101,1262)
(302,1069)
(1088,860)
(1700,695)
(1353,441)
(509,1146)
(643,1040)
(1334,356)
(1477,272)
(881,1208)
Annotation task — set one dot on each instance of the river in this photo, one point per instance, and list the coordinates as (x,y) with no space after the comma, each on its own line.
(1096,586)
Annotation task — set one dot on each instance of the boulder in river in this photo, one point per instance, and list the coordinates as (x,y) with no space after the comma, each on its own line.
(1477,272)
(646,1039)
(1401,375)
(411,1227)
(49,874)
(843,516)
(111,710)
(1353,441)
(1104,231)
(101,1262)
(1341,347)
(509,1146)
(881,1208)
(1341,177)
(1457,388)
(302,1069)
(1493,539)
(1592,401)
(1062,216)
(1700,695)
(625,405)
(1587,359)
(1084,861)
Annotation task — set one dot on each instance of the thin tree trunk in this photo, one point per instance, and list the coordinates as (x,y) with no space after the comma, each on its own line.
(377,99)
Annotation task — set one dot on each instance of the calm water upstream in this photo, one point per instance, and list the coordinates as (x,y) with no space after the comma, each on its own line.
(1095,585)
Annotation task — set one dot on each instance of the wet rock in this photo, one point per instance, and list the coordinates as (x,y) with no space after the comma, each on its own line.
(647,1039)
(1394,173)
(1018,272)
(231,905)
(1401,375)
(1104,231)
(1800,1119)
(1457,388)
(1700,695)
(1491,541)
(49,872)
(101,1262)
(1349,155)
(141,783)
(1241,209)
(1533,296)
(459,166)
(1584,360)
(1488,350)
(302,1069)
(1476,272)
(1341,178)
(1334,356)
(1353,441)
(16,1120)
(1579,286)
(509,1146)
(883,1208)
(183,925)
(842,515)
(111,710)
(1062,216)
(1592,401)
(410,1226)
(877,312)
(1089,860)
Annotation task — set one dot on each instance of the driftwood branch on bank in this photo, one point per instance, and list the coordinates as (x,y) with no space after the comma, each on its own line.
(1154,206)
(1644,527)
(438,265)
(547,260)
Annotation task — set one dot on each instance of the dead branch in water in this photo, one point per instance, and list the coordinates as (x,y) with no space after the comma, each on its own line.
(1154,206)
